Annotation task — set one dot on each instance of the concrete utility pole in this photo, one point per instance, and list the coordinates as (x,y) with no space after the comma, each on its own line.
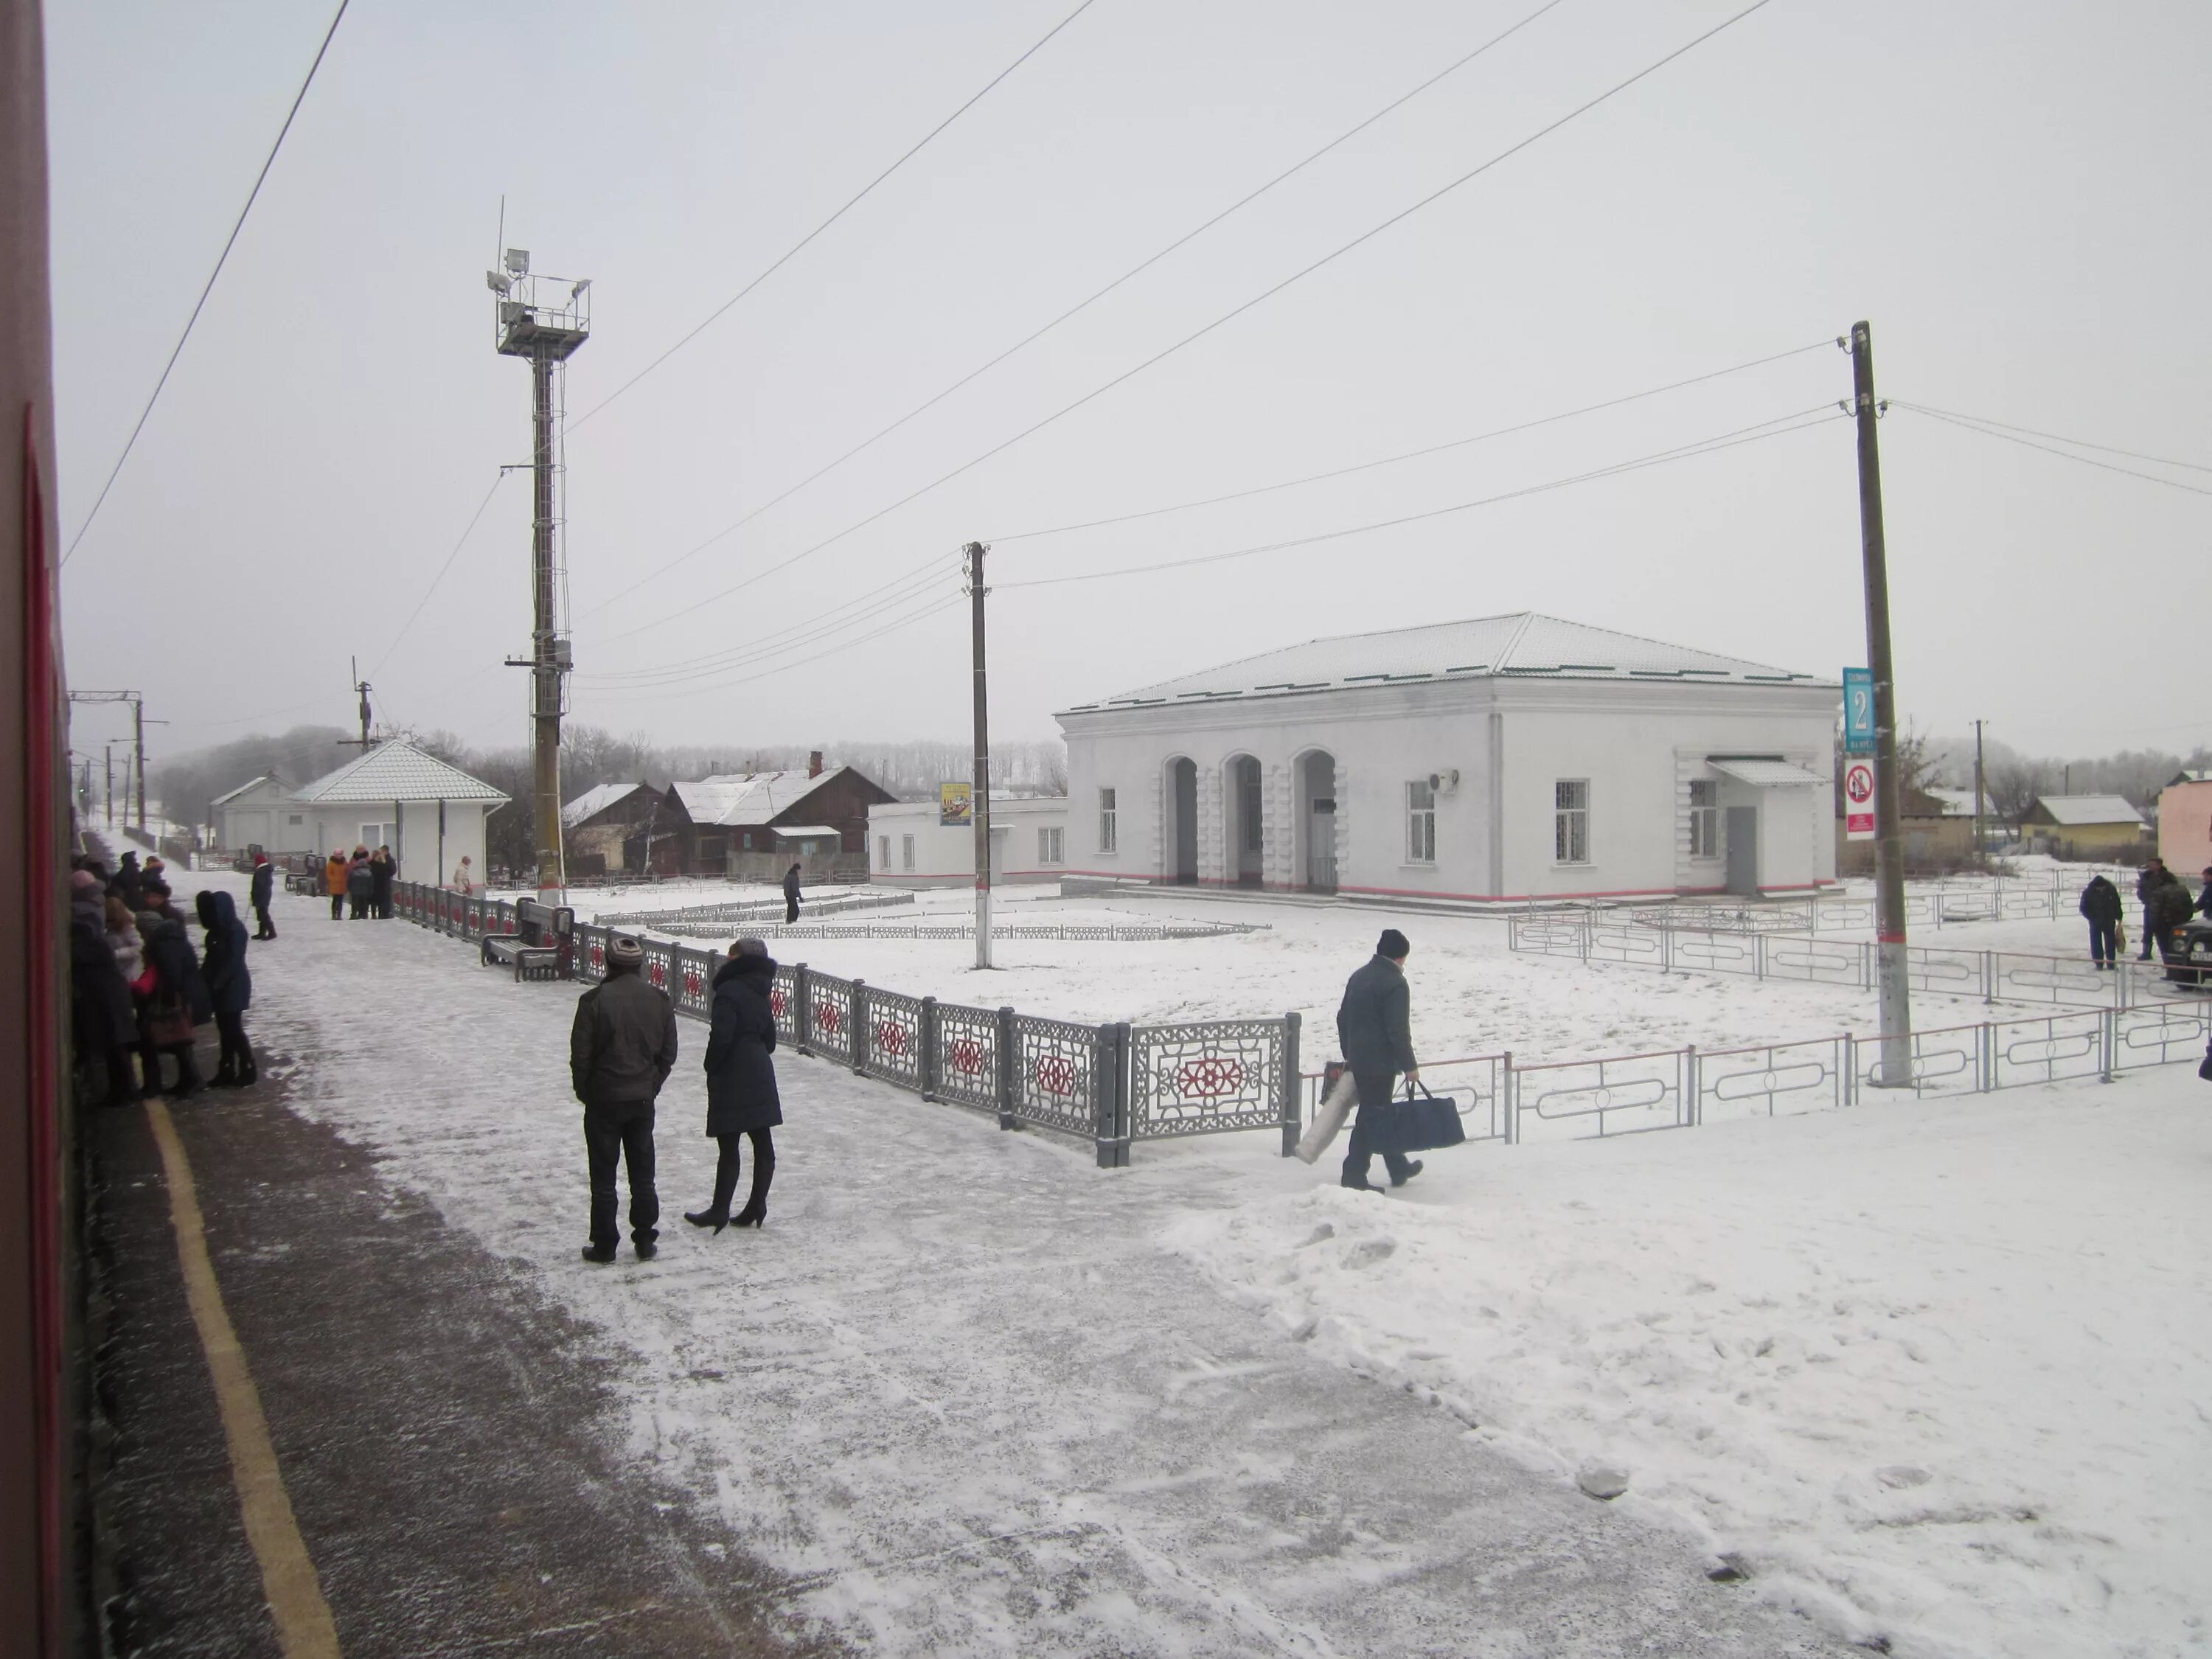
(138,738)
(360,689)
(1981,846)
(539,322)
(111,782)
(979,810)
(1895,1071)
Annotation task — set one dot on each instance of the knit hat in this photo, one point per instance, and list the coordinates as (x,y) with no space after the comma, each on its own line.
(81,879)
(625,952)
(749,946)
(1392,944)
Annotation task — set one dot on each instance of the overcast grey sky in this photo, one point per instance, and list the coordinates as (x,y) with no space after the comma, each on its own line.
(2012,190)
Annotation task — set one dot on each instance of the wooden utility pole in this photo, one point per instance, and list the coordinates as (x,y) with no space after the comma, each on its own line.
(138,738)
(110,783)
(1981,844)
(360,689)
(1895,1071)
(979,809)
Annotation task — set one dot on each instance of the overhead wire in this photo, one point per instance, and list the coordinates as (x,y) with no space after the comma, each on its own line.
(474,518)
(1036,334)
(1989,430)
(909,621)
(790,253)
(1188,339)
(1780,426)
(200,304)
(1410,454)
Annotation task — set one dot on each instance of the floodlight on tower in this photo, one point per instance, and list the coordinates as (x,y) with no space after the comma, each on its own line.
(517,262)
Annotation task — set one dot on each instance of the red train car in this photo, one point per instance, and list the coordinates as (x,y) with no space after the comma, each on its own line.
(41,1385)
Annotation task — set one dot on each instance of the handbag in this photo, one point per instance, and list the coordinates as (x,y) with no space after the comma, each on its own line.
(1423,1123)
(168,1024)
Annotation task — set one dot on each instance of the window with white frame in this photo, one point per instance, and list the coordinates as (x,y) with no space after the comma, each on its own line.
(1050,845)
(1106,837)
(1571,821)
(1705,819)
(882,852)
(1421,822)
(906,852)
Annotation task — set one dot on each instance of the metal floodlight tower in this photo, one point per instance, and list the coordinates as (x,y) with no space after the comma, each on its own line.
(545,318)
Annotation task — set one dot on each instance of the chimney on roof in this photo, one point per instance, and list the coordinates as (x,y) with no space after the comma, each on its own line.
(814,764)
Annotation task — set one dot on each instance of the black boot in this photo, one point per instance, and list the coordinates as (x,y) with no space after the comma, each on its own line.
(715,1216)
(248,1073)
(226,1073)
(189,1081)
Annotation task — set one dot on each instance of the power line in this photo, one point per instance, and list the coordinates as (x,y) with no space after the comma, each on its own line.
(1781,425)
(1084,304)
(1966,425)
(922,615)
(863,607)
(1188,339)
(2080,443)
(498,480)
(230,242)
(1411,454)
(715,315)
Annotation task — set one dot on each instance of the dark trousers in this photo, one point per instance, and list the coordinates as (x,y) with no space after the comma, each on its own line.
(1375,1089)
(2104,942)
(337,907)
(726,1169)
(359,908)
(623,1131)
(380,901)
(268,928)
(790,909)
(149,1062)
(2150,932)
(235,1056)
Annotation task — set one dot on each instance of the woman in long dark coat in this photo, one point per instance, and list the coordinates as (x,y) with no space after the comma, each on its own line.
(230,986)
(741,1095)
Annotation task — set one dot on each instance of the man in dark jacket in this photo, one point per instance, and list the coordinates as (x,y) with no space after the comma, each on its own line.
(791,895)
(265,886)
(2169,909)
(621,1050)
(2100,908)
(126,883)
(1374,1027)
(2154,876)
(230,986)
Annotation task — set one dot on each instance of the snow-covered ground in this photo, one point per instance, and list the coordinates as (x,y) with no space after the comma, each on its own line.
(1932,1372)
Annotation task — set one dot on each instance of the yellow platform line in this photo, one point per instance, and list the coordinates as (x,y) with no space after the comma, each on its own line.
(304,1630)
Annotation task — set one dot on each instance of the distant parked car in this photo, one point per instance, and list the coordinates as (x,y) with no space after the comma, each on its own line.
(2197,950)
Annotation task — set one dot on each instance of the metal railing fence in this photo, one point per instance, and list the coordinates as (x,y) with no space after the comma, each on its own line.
(1113,1085)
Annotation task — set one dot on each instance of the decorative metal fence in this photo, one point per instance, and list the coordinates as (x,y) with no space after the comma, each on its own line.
(1113,1085)
(1928,904)
(1993,976)
(732,914)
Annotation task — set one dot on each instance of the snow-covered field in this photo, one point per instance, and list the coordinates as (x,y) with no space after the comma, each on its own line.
(1932,1372)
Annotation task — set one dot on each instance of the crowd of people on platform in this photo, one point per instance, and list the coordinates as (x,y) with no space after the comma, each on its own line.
(363,880)
(139,989)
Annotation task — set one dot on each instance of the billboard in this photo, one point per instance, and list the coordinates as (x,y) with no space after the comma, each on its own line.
(956,805)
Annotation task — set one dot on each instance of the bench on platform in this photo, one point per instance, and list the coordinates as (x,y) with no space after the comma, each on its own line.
(539,948)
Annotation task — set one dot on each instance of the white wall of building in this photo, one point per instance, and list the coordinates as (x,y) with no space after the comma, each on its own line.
(908,847)
(1638,745)
(412,835)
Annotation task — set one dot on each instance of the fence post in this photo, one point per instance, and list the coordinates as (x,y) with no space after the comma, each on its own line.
(1693,1106)
(1507,1104)
(925,1059)
(1290,1085)
(2108,1044)
(802,1008)
(1008,1060)
(1850,1070)
(862,1033)
(1758,956)
(1989,977)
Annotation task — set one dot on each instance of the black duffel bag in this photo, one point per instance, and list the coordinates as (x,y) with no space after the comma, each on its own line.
(1417,1123)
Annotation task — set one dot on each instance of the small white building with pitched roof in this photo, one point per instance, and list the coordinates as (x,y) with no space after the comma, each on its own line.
(1506,758)
(256,814)
(430,814)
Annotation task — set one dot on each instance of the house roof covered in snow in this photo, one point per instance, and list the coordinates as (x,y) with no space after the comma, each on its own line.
(596,800)
(245,789)
(1959,803)
(2189,777)
(396,771)
(1524,645)
(736,801)
(2076,810)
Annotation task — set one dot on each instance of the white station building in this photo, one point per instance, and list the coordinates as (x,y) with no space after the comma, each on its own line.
(395,795)
(1507,758)
(908,846)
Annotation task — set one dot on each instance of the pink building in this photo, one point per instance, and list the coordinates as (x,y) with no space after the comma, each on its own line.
(2184,823)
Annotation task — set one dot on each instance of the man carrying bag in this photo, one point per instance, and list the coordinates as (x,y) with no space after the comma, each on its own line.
(1374,1027)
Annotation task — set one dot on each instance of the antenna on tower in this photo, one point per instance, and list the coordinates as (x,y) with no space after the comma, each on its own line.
(361,688)
(543,319)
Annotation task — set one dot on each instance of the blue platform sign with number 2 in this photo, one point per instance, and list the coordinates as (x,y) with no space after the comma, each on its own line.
(1858,711)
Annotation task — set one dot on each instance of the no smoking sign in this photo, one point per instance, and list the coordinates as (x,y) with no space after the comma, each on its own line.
(1858,799)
